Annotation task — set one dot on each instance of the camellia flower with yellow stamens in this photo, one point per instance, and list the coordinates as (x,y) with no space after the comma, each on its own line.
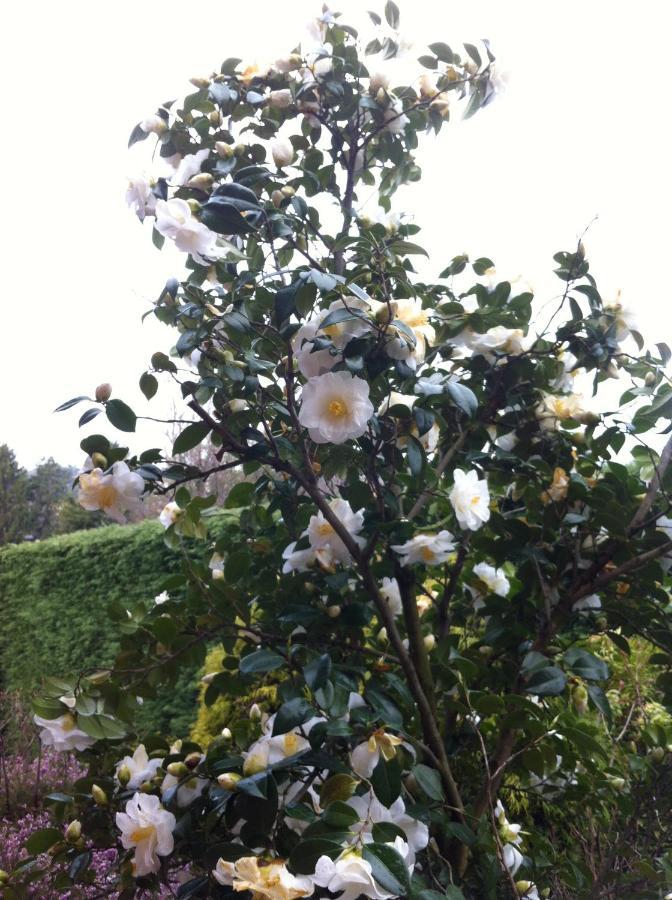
(148,828)
(271,880)
(139,768)
(558,408)
(558,487)
(322,536)
(365,756)
(409,312)
(470,499)
(63,734)
(499,341)
(426,549)
(335,407)
(116,492)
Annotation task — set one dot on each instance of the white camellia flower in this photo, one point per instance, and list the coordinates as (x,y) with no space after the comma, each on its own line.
(410,312)
(335,407)
(470,499)
(664,524)
(311,362)
(323,537)
(148,828)
(188,789)
(349,877)
(427,549)
(371,812)
(174,220)
(170,513)
(141,767)
(268,749)
(189,166)
(139,197)
(564,382)
(494,579)
(282,152)
(390,592)
(365,756)
(512,857)
(62,733)
(342,332)
(499,341)
(558,408)
(395,117)
(624,321)
(161,598)
(511,839)
(297,560)
(271,880)
(216,565)
(116,492)
(379,80)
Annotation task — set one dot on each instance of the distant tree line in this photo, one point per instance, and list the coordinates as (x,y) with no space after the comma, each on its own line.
(38,504)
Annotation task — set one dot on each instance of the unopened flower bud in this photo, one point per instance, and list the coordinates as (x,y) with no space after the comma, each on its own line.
(193,205)
(224,150)
(276,198)
(580,699)
(215,118)
(103,392)
(382,636)
(192,761)
(237,405)
(282,152)
(153,125)
(333,611)
(365,221)
(378,81)
(485,650)
(523,887)
(99,795)
(73,832)
(280,99)
(617,783)
(581,250)
(657,754)
(209,678)
(649,379)
(199,82)
(123,775)
(202,182)
(255,712)
(239,150)
(430,642)
(177,769)
(228,780)
(4,877)
(99,461)
(411,784)
(287,190)
(226,734)
(148,787)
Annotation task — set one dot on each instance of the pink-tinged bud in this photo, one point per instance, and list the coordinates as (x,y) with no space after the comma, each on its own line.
(99,796)
(333,611)
(228,780)
(224,150)
(103,392)
(276,198)
(200,82)
(282,152)
(73,832)
(192,761)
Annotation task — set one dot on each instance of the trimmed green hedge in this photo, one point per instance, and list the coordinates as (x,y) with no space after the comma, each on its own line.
(53,600)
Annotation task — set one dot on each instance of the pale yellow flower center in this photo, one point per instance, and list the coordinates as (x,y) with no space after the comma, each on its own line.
(427,553)
(142,834)
(107,496)
(324,529)
(475,500)
(337,408)
(68,723)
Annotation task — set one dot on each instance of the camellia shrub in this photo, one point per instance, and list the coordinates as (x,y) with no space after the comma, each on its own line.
(438,538)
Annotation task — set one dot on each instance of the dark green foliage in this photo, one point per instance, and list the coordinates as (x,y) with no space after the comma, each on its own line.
(53,610)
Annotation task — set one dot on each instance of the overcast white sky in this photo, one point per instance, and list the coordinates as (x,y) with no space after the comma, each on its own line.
(583,131)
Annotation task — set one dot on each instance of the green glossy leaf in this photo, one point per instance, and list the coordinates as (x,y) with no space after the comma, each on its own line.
(548,681)
(585,665)
(120,415)
(191,437)
(148,385)
(40,841)
(429,781)
(388,868)
(386,781)
(317,672)
(260,661)
(292,713)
